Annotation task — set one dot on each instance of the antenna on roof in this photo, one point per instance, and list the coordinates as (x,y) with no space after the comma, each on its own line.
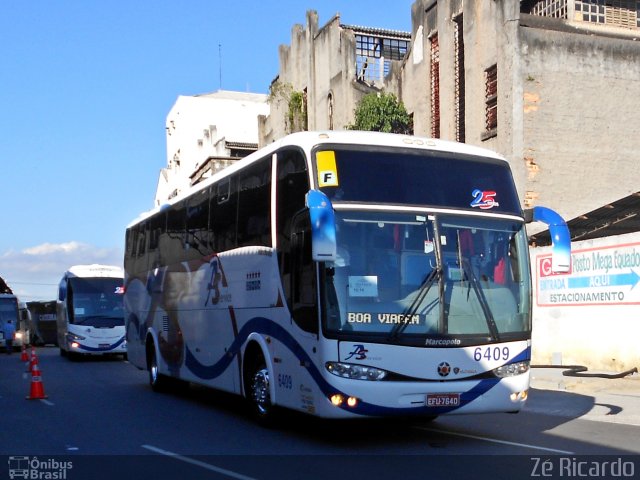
(220,63)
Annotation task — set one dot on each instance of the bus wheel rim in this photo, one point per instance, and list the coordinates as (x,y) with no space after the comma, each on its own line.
(154,371)
(260,391)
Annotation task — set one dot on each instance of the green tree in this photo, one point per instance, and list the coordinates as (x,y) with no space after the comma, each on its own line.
(382,112)
(296,119)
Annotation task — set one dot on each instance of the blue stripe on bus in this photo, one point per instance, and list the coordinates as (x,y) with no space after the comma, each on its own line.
(269,327)
(101,349)
(524,356)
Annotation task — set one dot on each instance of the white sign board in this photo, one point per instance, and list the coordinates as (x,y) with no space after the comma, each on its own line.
(606,275)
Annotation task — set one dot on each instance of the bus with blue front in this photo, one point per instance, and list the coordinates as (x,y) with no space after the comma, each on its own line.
(90,312)
(342,274)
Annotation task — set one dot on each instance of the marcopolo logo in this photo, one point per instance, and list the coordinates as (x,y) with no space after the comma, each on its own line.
(38,469)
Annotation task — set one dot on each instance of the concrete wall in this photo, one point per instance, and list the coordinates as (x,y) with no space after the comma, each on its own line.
(581,116)
(590,316)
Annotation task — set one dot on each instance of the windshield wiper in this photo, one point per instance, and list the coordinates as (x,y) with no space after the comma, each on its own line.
(408,314)
(484,304)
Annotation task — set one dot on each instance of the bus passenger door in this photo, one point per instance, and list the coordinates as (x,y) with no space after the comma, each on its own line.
(295,383)
(304,286)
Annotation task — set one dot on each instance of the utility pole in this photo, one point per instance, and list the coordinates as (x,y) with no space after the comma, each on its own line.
(220,63)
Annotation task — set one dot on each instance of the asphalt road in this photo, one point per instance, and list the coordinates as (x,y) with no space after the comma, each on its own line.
(102,416)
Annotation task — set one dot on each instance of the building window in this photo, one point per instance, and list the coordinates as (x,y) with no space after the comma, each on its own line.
(550,8)
(330,110)
(621,13)
(491,100)
(374,55)
(459,79)
(435,86)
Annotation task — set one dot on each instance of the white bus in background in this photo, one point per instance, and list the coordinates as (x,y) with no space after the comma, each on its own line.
(15,310)
(342,274)
(43,322)
(23,329)
(90,313)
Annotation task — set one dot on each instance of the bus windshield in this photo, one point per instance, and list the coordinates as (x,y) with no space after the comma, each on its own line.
(433,280)
(96,302)
(416,177)
(8,310)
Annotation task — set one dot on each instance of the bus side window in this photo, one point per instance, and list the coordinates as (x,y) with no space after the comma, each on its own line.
(291,188)
(197,234)
(130,242)
(304,292)
(254,213)
(173,238)
(140,262)
(223,213)
(157,227)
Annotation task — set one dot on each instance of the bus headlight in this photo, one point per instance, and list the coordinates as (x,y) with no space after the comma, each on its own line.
(355,372)
(512,369)
(73,337)
(18,335)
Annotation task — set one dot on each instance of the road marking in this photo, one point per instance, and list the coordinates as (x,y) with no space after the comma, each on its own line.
(198,463)
(494,440)
(47,402)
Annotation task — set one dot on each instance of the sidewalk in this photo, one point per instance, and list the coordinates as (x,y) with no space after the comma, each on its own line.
(598,399)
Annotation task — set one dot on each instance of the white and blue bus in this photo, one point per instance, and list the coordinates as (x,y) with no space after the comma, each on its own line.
(11,308)
(90,311)
(342,274)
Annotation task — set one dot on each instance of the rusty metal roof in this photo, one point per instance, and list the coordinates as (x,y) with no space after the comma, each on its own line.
(616,218)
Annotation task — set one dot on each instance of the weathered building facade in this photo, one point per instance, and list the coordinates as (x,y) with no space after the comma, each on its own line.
(552,85)
(206,133)
(326,71)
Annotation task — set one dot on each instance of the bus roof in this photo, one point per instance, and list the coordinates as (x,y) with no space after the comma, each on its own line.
(95,270)
(308,140)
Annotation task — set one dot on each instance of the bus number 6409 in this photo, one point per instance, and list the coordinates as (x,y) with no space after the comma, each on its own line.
(491,353)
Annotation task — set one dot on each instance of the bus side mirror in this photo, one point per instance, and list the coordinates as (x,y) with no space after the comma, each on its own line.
(560,238)
(323,226)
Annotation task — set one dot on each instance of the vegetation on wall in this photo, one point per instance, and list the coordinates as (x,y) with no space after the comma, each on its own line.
(382,112)
(296,119)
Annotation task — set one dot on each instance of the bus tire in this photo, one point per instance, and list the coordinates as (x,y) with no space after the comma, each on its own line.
(157,381)
(257,391)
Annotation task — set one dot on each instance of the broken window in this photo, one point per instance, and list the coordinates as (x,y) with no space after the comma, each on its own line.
(374,55)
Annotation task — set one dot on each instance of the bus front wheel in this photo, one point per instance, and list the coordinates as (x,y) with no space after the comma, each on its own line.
(258,393)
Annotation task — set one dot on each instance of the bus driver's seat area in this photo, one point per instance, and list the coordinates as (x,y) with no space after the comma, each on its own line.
(383,263)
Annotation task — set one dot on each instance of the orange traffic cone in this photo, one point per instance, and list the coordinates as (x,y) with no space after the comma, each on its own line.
(24,356)
(37,390)
(33,361)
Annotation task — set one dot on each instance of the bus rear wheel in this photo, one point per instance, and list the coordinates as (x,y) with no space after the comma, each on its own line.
(157,381)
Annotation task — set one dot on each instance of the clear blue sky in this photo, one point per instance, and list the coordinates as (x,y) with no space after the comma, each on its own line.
(85,90)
